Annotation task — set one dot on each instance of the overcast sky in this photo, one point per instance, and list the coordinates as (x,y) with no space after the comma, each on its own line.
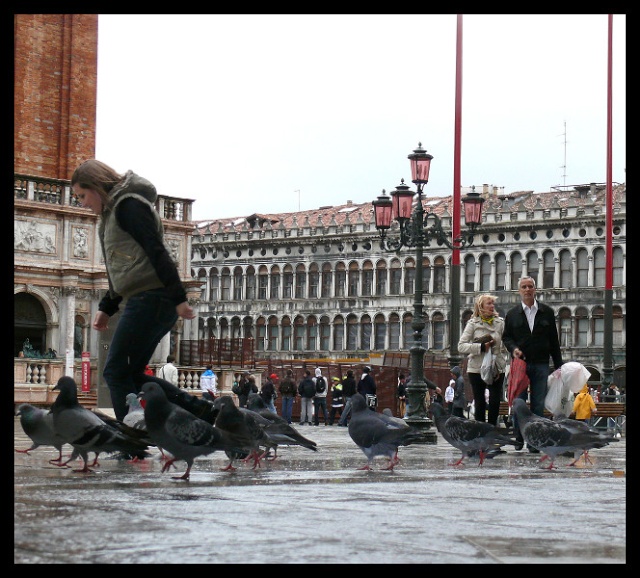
(277,113)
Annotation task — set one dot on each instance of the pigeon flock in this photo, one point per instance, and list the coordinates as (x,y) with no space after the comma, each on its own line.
(254,433)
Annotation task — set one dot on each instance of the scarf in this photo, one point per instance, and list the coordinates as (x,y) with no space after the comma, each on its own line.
(488,320)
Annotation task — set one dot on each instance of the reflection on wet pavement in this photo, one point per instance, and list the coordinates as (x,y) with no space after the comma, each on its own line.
(317,507)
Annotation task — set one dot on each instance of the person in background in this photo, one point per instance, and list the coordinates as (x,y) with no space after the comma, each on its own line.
(348,390)
(268,392)
(337,400)
(246,385)
(307,391)
(459,399)
(448,395)
(169,371)
(142,276)
(287,390)
(402,394)
(209,384)
(530,333)
(320,399)
(367,386)
(483,332)
(584,407)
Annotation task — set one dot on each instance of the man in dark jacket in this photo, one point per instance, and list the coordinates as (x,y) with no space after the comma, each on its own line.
(307,391)
(530,333)
(367,386)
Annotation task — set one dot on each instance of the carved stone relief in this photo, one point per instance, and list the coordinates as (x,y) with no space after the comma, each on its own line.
(34,236)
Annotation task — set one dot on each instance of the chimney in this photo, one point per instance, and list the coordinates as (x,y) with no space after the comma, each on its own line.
(485,189)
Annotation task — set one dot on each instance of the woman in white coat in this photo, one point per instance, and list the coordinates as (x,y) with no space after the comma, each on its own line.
(482,332)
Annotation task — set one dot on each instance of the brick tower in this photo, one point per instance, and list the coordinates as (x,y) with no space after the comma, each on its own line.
(55,84)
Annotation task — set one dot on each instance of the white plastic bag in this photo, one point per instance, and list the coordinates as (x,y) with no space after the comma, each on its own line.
(558,399)
(574,375)
(487,368)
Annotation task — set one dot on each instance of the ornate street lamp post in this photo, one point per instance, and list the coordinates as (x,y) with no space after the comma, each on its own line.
(416,229)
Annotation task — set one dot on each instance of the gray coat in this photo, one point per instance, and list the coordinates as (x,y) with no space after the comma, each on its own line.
(470,346)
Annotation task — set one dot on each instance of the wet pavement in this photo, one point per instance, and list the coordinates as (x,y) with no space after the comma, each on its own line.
(317,508)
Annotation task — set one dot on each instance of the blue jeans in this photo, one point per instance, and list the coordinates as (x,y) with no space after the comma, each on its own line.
(538,374)
(146,319)
(287,407)
(271,407)
(344,416)
(320,403)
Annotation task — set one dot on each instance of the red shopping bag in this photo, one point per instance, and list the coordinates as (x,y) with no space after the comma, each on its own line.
(518,379)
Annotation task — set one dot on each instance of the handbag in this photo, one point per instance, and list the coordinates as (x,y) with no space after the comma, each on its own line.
(487,369)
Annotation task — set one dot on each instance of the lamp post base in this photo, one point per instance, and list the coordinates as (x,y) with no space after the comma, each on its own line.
(424,424)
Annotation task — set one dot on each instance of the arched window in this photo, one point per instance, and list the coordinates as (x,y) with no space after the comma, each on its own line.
(395,274)
(367,278)
(251,282)
(597,326)
(407,330)
(426,275)
(380,333)
(394,332)
(485,273)
(618,265)
(225,281)
(261,334)
(533,267)
(410,277)
(235,328)
(352,333)
(582,267)
(618,326)
(314,281)
(298,333)
(263,282)
(214,284)
(237,284)
(301,282)
(381,278)
(599,267)
(338,334)
(325,333)
(287,282)
(549,270)
(354,280)
(565,334)
(565,269)
(275,282)
(341,280)
(501,271)
(516,269)
(312,333)
(272,334)
(439,280)
(202,277)
(327,280)
(247,327)
(224,328)
(469,273)
(582,327)
(286,333)
(438,330)
(366,328)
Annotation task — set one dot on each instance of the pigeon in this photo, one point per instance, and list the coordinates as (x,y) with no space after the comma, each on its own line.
(37,423)
(469,436)
(135,419)
(245,427)
(177,430)
(86,431)
(553,438)
(278,429)
(597,440)
(375,435)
